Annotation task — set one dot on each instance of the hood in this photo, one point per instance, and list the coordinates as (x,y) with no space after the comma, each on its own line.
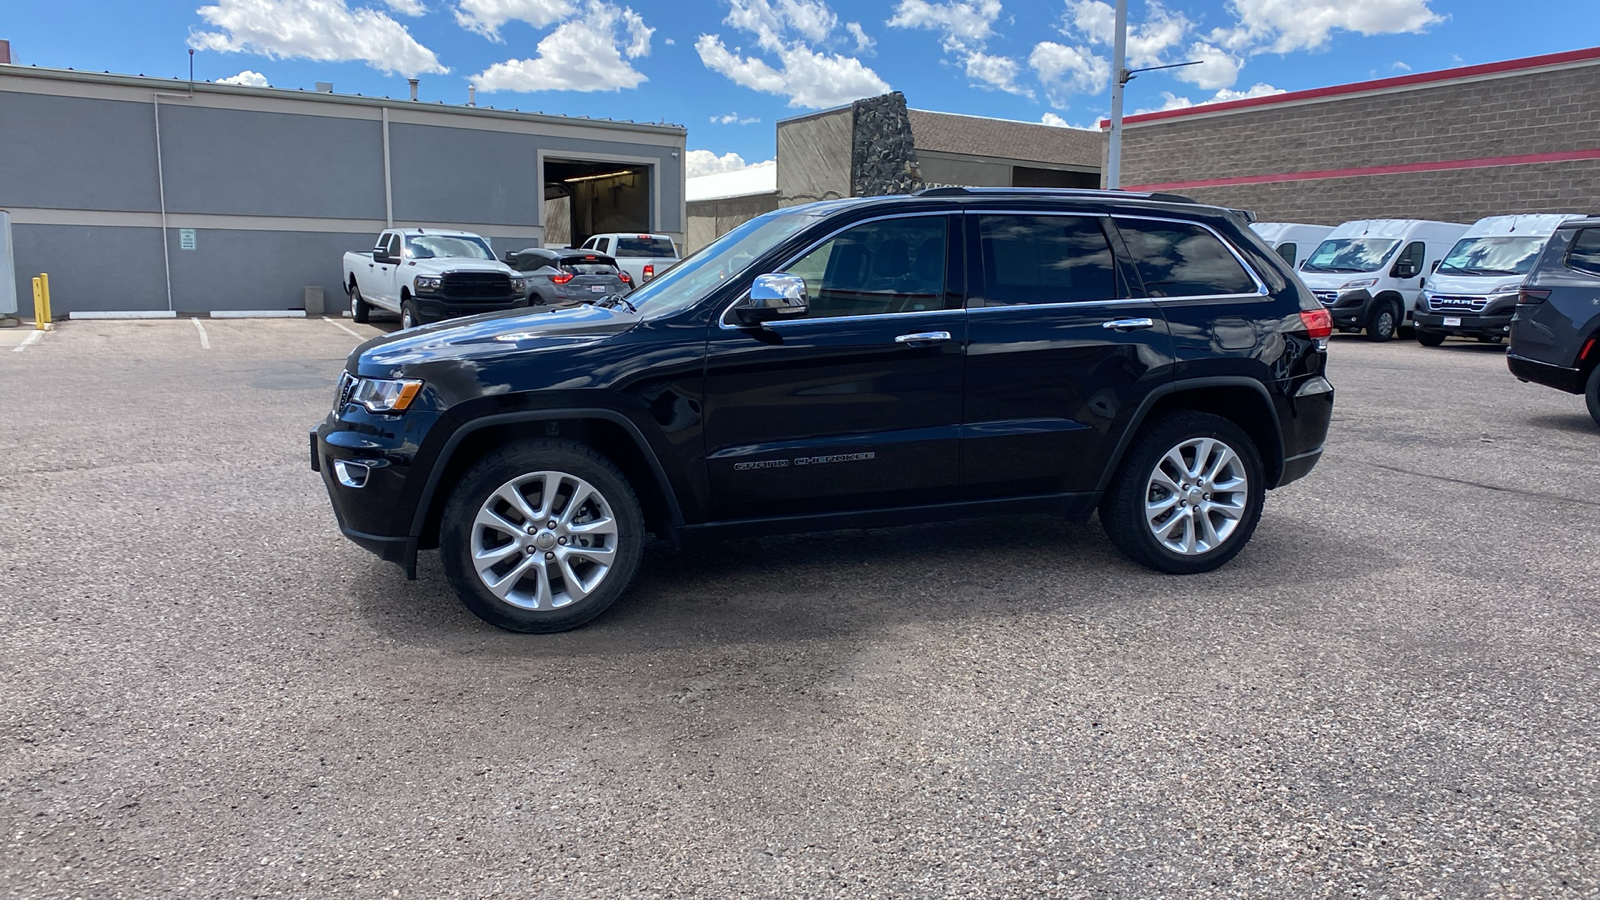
(455,264)
(1330,281)
(492,334)
(1470,285)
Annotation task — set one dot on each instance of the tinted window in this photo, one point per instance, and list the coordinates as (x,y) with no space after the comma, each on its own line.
(643,246)
(392,245)
(1350,255)
(1410,260)
(579,267)
(1288,251)
(1045,259)
(895,265)
(1585,253)
(1177,259)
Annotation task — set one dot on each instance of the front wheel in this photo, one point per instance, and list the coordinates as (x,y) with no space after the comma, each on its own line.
(409,318)
(541,536)
(1188,495)
(1383,322)
(359,309)
(1430,338)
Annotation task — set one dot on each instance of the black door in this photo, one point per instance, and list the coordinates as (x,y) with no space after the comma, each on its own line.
(1060,353)
(858,405)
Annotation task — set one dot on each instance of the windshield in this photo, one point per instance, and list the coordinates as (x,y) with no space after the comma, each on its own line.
(439,246)
(1492,256)
(687,283)
(641,246)
(1350,255)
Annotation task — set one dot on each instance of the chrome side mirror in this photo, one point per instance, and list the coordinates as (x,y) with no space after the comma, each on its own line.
(775,296)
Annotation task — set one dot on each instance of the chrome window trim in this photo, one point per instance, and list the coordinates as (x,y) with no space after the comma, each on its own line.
(1261,286)
(722,320)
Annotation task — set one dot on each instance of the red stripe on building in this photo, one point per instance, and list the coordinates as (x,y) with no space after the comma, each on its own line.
(1402,169)
(1494,68)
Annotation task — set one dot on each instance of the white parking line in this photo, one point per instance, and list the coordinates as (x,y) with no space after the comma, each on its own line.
(205,342)
(26,341)
(340,325)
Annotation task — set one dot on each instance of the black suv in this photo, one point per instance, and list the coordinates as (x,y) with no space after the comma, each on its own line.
(1557,320)
(850,363)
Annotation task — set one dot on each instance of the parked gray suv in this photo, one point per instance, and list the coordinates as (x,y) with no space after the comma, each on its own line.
(1556,329)
(568,277)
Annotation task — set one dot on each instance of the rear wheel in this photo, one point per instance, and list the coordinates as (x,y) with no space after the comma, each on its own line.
(1430,338)
(1591,393)
(1188,495)
(359,310)
(541,536)
(1383,321)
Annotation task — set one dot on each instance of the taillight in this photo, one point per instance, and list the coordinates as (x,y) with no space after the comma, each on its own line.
(649,271)
(626,278)
(563,278)
(1529,296)
(1318,322)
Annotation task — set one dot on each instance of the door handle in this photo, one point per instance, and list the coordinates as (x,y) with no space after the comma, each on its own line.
(923,337)
(1129,324)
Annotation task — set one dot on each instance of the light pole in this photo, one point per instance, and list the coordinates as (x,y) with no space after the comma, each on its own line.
(1121,75)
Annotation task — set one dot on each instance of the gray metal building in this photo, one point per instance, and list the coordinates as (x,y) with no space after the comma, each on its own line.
(139,194)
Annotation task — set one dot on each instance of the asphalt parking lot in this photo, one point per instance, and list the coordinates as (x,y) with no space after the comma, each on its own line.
(1394,691)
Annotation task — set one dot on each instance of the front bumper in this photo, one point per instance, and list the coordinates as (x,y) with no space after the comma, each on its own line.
(432,309)
(1349,311)
(1559,377)
(375,514)
(1471,324)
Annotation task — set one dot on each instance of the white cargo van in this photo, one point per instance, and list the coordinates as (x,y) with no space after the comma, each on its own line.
(1293,241)
(1369,272)
(1473,293)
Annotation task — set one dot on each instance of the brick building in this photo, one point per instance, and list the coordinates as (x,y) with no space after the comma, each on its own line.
(1455,145)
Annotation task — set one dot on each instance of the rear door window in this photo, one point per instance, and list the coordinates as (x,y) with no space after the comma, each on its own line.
(1182,259)
(642,246)
(1585,252)
(1045,259)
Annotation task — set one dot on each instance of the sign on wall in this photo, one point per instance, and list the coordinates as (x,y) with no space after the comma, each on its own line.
(186,238)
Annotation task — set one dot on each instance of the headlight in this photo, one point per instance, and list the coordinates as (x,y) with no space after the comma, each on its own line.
(1358,283)
(428,282)
(1508,288)
(383,395)
(519,284)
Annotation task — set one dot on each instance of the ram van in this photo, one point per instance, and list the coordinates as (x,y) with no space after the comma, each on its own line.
(1369,273)
(1474,291)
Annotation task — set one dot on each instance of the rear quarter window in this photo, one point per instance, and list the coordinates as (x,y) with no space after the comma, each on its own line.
(1181,259)
(1584,254)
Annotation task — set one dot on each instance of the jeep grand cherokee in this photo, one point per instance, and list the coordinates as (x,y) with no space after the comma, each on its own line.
(850,363)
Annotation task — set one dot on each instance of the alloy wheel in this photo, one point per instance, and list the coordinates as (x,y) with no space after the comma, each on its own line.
(544,540)
(1196,496)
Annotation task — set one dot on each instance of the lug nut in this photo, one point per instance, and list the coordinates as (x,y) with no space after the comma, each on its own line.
(533,529)
(549,556)
(561,541)
(532,550)
(552,524)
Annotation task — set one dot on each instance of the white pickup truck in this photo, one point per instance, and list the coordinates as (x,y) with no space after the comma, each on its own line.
(642,256)
(427,274)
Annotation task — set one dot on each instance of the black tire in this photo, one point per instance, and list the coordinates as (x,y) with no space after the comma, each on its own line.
(1430,338)
(498,470)
(1383,321)
(359,309)
(1591,393)
(1122,509)
(409,317)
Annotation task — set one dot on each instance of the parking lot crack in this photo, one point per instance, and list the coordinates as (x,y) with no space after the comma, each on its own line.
(1537,495)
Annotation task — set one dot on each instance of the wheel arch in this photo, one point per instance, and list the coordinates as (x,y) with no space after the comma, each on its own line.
(609,432)
(1241,400)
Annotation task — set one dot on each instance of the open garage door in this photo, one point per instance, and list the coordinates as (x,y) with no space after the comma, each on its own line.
(582,198)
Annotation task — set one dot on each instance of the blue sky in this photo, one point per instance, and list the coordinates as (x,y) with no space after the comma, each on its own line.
(729,69)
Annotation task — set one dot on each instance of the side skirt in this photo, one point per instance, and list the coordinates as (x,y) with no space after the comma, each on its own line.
(1076,507)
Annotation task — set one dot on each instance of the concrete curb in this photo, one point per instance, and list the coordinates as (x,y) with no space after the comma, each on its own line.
(125,314)
(258,314)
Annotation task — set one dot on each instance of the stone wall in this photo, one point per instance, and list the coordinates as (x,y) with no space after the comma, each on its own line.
(883,158)
(1514,114)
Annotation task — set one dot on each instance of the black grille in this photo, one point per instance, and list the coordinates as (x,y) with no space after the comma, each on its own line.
(347,384)
(471,286)
(1457,303)
(1328,298)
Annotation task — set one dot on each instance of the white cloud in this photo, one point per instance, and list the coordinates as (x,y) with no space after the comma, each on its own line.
(1281,26)
(486,16)
(323,30)
(1096,19)
(246,78)
(1054,121)
(704,162)
(582,54)
(407,7)
(734,118)
(806,76)
(1399,66)
(967,26)
(1068,70)
(864,41)
(1173,101)
(1217,68)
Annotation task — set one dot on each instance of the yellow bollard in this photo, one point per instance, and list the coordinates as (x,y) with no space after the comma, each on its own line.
(44,289)
(38,304)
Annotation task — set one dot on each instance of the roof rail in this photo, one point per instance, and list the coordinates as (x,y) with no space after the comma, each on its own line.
(1051,192)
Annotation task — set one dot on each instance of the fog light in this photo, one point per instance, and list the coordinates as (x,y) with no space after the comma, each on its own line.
(351,474)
